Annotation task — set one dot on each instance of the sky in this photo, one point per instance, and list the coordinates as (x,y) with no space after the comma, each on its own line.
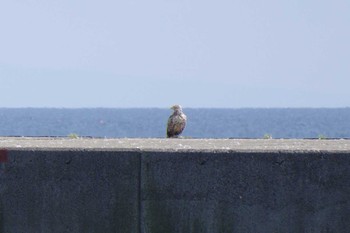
(156,53)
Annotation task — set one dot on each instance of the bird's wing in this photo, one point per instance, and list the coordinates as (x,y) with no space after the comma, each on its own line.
(170,127)
(176,125)
(179,125)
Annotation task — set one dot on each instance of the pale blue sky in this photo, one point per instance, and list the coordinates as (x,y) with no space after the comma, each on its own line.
(198,53)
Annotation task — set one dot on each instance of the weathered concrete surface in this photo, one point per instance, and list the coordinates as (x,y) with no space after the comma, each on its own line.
(69,191)
(154,144)
(246,192)
(174,185)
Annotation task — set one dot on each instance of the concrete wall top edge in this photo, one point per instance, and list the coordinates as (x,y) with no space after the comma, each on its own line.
(176,145)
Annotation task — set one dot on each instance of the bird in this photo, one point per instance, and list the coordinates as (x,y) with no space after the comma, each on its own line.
(176,122)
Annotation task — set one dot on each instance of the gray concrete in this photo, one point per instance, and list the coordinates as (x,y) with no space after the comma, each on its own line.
(246,192)
(154,144)
(69,191)
(174,185)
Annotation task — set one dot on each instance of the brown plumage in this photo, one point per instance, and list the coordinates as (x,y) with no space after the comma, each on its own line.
(176,122)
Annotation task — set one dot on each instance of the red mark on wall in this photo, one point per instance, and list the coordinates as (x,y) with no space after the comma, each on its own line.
(3,156)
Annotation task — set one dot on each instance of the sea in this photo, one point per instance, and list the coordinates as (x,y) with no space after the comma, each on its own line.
(202,122)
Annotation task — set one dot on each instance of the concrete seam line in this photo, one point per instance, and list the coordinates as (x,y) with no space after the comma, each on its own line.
(139,198)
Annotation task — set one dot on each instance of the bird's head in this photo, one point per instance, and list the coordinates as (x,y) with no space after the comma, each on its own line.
(176,108)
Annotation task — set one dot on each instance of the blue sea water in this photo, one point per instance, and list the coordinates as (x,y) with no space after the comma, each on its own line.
(202,123)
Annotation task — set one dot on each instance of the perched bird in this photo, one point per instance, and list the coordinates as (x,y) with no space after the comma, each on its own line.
(176,122)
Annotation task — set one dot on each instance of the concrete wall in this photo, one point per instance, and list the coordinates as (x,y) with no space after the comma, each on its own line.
(246,192)
(168,191)
(70,191)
